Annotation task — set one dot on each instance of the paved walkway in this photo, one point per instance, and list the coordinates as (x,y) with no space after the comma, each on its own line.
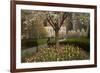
(32,49)
(62,40)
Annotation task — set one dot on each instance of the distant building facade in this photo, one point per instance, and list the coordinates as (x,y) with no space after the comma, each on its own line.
(51,32)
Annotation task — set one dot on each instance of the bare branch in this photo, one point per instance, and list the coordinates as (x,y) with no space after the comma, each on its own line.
(63,19)
(49,21)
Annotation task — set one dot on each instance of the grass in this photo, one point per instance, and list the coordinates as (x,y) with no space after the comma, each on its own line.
(42,41)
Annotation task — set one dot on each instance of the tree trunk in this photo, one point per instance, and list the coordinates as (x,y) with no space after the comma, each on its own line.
(56,39)
(88,31)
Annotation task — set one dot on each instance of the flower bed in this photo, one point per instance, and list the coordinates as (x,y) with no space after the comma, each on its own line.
(64,53)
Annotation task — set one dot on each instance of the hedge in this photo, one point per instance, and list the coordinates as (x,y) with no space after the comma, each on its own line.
(26,43)
(81,42)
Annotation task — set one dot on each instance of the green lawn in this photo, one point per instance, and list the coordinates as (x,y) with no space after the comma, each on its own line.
(42,41)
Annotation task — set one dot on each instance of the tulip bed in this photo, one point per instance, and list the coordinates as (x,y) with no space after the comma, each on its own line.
(84,43)
(63,53)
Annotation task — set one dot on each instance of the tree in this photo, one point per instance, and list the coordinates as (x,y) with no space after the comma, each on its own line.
(38,31)
(85,21)
(69,22)
(56,20)
(25,14)
(81,21)
(32,24)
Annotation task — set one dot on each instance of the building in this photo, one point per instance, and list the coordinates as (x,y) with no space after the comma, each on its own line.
(51,32)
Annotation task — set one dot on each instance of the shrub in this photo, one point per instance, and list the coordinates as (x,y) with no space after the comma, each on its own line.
(81,42)
(27,43)
(51,42)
